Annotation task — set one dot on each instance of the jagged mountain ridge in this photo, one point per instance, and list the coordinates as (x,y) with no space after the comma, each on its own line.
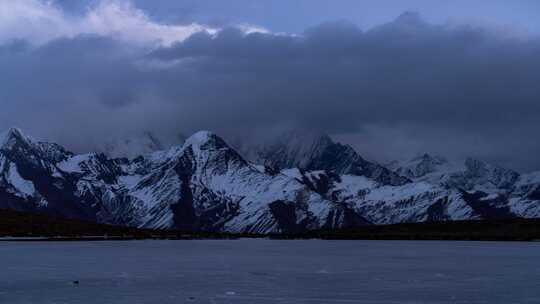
(481,185)
(472,174)
(309,151)
(204,184)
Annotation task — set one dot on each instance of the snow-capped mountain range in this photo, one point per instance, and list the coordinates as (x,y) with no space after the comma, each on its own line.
(290,186)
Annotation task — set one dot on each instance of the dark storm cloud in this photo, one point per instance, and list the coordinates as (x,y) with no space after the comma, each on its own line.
(405,72)
(74,90)
(464,90)
(403,87)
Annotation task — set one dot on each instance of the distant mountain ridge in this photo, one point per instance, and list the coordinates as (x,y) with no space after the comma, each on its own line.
(291,186)
(134,144)
(319,152)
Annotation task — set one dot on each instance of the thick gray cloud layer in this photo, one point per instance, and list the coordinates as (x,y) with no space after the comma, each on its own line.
(404,87)
(454,90)
(296,15)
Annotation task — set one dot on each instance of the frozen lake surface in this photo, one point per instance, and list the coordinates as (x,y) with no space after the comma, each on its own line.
(264,271)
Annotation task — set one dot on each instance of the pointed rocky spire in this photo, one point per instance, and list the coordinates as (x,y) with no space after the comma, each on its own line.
(205,139)
(13,136)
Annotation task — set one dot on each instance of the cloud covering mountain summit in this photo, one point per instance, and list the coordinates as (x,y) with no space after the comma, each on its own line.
(398,88)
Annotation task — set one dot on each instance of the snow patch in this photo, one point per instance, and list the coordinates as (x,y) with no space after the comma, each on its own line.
(294,173)
(73,164)
(24,186)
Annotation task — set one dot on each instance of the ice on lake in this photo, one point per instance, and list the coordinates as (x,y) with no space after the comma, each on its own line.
(265,271)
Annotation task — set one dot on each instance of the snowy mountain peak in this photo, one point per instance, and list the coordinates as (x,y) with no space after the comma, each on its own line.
(472,174)
(293,148)
(421,165)
(310,151)
(426,157)
(205,140)
(207,149)
(206,185)
(14,132)
(487,173)
(200,138)
(17,144)
(12,136)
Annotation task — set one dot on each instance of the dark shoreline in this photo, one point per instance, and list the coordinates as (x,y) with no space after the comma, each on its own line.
(28,227)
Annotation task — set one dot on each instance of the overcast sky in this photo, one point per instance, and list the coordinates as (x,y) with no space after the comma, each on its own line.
(392,78)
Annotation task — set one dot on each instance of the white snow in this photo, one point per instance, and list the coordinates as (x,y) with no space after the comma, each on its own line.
(352,184)
(529,178)
(293,172)
(198,139)
(259,168)
(490,196)
(73,164)
(165,189)
(525,207)
(24,186)
(130,181)
(7,137)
